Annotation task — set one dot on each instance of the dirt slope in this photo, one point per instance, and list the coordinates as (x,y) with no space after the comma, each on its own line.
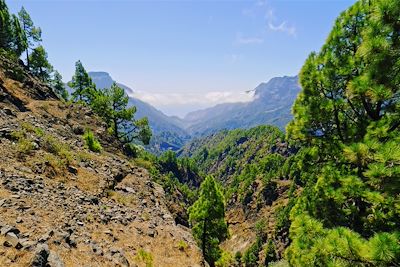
(63,205)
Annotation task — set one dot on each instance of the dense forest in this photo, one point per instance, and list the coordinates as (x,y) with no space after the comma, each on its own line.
(329,184)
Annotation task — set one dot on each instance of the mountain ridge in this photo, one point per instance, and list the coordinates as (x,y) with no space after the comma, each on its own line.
(271,105)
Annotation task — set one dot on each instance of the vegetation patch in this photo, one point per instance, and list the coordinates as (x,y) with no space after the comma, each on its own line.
(145,257)
(91,142)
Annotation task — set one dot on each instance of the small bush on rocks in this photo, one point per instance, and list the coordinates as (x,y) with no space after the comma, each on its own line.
(91,141)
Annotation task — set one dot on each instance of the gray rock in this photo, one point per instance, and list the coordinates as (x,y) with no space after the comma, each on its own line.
(9,229)
(97,249)
(120,259)
(78,129)
(28,245)
(73,170)
(54,260)
(41,255)
(12,241)
(46,236)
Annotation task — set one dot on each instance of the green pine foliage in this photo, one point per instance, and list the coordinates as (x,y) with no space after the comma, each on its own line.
(347,121)
(239,157)
(251,255)
(39,64)
(59,86)
(112,105)
(91,142)
(207,219)
(32,34)
(82,84)
(18,34)
(179,179)
(12,35)
(5,26)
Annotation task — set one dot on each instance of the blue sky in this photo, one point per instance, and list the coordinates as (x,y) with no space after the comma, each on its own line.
(184,55)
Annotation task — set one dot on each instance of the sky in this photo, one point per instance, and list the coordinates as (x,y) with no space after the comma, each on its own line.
(183,55)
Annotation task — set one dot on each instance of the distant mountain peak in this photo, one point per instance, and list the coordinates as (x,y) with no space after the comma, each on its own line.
(99,73)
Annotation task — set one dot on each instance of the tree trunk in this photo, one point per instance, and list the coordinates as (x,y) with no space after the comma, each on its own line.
(27,59)
(115,128)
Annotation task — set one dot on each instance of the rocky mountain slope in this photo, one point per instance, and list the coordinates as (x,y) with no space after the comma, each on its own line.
(63,205)
(271,105)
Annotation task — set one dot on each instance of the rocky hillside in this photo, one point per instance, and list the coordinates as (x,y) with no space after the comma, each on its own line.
(63,205)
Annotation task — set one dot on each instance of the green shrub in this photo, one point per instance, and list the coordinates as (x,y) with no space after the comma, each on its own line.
(145,257)
(39,132)
(25,145)
(250,256)
(17,135)
(238,257)
(63,151)
(270,253)
(226,260)
(182,245)
(261,227)
(91,141)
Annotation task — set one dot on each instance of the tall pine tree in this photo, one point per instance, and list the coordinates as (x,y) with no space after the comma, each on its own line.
(347,120)
(112,105)
(84,88)
(40,66)
(33,34)
(207,217)
(20,43)
(5,27)
(59,87)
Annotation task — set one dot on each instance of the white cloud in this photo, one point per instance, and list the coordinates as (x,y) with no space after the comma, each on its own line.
(282,27)
(247,40)
(274,25)
(272,21)
(204,99)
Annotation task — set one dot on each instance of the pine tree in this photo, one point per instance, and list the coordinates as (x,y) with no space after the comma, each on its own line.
(207,219)
(84,88)
(59,87)
(112,105)
(347,120)
(32,34)
(40,66)
(5,27)
(20,43)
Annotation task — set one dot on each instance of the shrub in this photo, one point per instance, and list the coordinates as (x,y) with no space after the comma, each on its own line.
(270,253)
(133,150)
(91,141)
(250,256)
(25,145)
(57,148)
(39,132)
(238,257)
(145,257)
(17,135)
(226,260)
(260,227)
(182,245)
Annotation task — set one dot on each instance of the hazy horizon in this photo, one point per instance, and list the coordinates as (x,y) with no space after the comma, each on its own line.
(181,56)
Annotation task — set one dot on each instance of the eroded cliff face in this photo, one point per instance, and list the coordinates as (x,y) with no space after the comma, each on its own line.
(63,205)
